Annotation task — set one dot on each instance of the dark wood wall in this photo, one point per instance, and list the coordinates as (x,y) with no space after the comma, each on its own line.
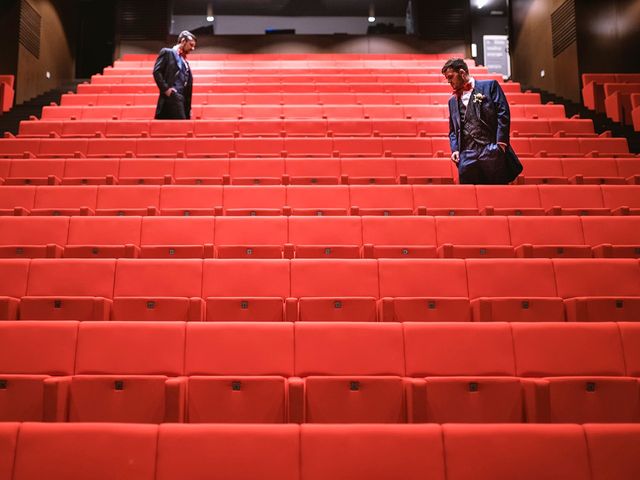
(608,36)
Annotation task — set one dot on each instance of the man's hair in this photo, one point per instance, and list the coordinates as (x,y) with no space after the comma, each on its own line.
(186,35)
(456,64)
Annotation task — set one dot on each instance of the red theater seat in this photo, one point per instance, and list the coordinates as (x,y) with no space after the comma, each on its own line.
(254,200)
(399,237)
(526,452)
(445,200)
(35,172)
(542,171)
(177,237)
(263,171)
(145,172)
(599,290)
(351,373)
(97,171)
(613,236)
(325,171)
(622,200)
(223,451)
(335,290)
(68,289)
(8,431)
(236,290)
(121,378)
(573,200)
(238,372)
(380,452)
(423,291)
(468,237)
(33,237)
(318,200)
(326,237)
(368,171)
(612,452)
(465,373)
(251,237)
(210,171)
(546,237)
(424,170)
(577,385)
(63,200)
(381,200)
(127,200)
(27,380)
(509,200)
(62,451)
(592,171)
(167,290)
(103,237)
(16,200)
(188,200)
(507,290)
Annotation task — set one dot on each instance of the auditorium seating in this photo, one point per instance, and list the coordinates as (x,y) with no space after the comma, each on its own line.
(7,92)
(593,87)
(294,285)
(322,372)
(311,452)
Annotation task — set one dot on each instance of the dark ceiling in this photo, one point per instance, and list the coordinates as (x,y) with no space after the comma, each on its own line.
(383,8)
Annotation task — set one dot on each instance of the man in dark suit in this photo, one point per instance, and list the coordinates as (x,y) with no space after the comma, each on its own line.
(479,126)
(174,79)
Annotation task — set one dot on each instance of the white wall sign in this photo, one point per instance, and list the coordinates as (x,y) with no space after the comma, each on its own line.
(496,54)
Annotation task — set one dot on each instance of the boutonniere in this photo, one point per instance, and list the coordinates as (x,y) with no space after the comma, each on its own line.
(478,98)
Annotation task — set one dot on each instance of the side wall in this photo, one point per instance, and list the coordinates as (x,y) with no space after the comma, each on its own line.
(57,54)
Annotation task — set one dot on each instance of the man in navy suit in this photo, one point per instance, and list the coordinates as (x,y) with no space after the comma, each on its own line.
(479,125)
(174,79)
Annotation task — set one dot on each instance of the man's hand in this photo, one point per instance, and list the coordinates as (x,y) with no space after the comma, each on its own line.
(455,156)
(169,91)
(503,146)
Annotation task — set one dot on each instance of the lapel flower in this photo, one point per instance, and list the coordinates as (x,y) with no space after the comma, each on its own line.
(478,98)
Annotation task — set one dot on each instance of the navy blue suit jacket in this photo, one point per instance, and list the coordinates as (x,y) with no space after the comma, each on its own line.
(493,113)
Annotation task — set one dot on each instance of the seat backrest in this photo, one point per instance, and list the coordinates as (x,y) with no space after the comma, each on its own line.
(54,342)
(473,230)
(348,348)
(375,452)
(621,196)
(158,278)
(73,277)
(177,230)
(526,452)
(624,230)
(560,349)
(505,277)
(66,196)
(437,349)
(333,277)
(104,230)
(597,277)
(251,230)
(242,452)
(239,278)
(239,348)
(401,230)
(547,230)
(630,333)
(59,451)
(13,281)
(325,230)
(423,278)
(575,196)
(525,196)
(33,230)
(130,348)
(612,451)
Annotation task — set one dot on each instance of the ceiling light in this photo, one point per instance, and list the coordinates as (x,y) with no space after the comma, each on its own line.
(371,19)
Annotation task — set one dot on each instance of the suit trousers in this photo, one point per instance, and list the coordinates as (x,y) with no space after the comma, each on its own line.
(173,108)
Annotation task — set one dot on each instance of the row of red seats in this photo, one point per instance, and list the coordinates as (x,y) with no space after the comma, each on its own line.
(273,112)
(387,200)
(319,237)
(150,98)
(285,127)
(314,452)
(349,59)
(320,373)
(146,86)
(299,171)
(423,147)
(212,75)
(394,290)
(593,94)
